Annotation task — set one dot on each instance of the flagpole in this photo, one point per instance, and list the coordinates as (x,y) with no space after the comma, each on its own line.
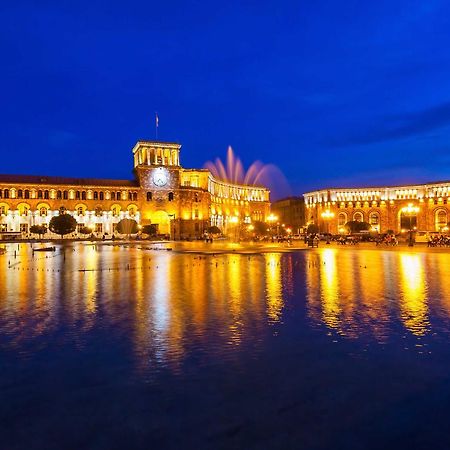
(156,125)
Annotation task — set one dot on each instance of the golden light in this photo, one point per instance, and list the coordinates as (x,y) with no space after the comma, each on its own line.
(251,227)
(341,230)
(234,219)
(272,218)
(327,214)
(410,209)
(288,230)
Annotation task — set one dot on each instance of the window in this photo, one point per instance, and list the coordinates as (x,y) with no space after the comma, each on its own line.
(170,196)
(58,195)
(134,196)
(1,193)
(131,211)
(77,195)
(98,211)
(24,211)
(440,219)
(342,219)
(6,193)
(65,195)
(113,195)
(80,211)
(149,196)
(99,228)
(2,210)
(20,193)
(46,195)
(95,195)
(374,219)
(358,217)
(62,210)
(27,194)
(130,196)
(40,194)
(43,211)
(102,196)
(115,211)
(118,196)
(83,195)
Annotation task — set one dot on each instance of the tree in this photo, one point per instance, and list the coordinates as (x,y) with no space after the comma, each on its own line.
(355,226)
(213,230)
(151,230)
(312,229)
(127,226)
(63,224)
(38,229)
(85,230)
(260,228)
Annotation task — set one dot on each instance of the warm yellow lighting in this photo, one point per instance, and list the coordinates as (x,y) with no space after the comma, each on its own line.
(327,214)
(410,209)
(272,218)
(251,227)
(234,219)
(288,230)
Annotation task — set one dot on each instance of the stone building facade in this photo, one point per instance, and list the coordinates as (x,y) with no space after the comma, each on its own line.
(382,207)
(181,202)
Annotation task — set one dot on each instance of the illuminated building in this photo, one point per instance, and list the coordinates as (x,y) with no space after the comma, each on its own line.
(180,202)
(384,208)
(290,211)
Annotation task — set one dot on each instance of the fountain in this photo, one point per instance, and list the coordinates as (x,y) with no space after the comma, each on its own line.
(258,174)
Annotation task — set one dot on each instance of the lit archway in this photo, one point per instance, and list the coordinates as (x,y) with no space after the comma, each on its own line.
(162,220)
(440,219)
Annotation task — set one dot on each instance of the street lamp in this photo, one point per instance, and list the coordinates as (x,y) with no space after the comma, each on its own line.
(410,211)
(327,216)
(271,218)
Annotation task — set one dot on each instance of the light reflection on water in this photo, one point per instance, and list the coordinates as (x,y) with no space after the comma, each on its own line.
(168,304)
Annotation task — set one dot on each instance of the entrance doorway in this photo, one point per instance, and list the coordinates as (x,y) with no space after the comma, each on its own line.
(162,220)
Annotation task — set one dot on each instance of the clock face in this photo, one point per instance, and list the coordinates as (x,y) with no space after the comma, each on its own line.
(160,177)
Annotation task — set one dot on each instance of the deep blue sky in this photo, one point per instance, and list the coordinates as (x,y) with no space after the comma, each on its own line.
(333,92)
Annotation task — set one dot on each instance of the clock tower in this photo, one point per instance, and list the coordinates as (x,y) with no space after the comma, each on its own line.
(157,165)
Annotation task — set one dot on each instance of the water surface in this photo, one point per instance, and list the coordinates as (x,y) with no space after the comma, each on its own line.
(117,346)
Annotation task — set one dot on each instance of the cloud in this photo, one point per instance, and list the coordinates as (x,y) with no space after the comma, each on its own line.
(400,127)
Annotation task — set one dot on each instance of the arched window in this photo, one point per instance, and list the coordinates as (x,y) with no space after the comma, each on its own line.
(130,196)
(58,195)
(95,195)
(115,211)
(80,211)
(6,193)
(440,219)
(113,195)
(20,193)
(77,195)
(40,194)
(83,195)
(149,196)
(98,211)
(27,194)
(342,219)
(374,219)
(46,194)
(119,196)
(358,217)
(134,195)
(131,211)
(65,195)
(102,196)
(62,210)
(170,196)
(43,211)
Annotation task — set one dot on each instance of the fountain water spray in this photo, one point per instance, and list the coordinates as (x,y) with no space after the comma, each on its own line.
(258,174)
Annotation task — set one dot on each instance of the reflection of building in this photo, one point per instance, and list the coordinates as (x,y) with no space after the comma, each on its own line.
(382,207)
(290,211)
(181,202)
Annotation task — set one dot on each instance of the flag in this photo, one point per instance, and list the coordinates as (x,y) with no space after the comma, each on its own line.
(156,120)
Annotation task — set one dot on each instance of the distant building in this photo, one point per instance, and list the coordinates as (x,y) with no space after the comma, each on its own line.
(382,207)
(291,212)
(180,202)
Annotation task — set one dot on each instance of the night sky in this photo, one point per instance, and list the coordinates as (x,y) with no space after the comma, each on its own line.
(336,93)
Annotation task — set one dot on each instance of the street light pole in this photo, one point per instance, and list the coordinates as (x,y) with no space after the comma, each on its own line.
(327,216)
(410,211)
